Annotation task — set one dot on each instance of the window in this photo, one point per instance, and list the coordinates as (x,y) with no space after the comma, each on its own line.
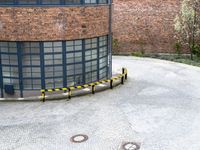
(74,74)
(103,51)
(74,62)
(7,2)
(72,1)
(91,43)
(28,2)
(74,51)
(103,1)
(53,64)
(103,57)
(91,60)
(90,1)
(50,2)
(103,62)
(91,77)
(91,71)
(103,41)
(91,49)
(91,66)
(103,73)
(9,62)
(91,54)
(31,65)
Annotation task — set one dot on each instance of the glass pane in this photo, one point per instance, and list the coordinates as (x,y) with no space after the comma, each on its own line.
(27,1)
(50,1)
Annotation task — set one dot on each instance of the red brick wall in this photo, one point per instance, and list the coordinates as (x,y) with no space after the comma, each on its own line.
(53,23)
(144,25)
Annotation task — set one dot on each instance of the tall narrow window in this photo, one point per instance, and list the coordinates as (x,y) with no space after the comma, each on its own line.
(53,64)
(31,65)
(74,62)
(90,60)
(103,57)
(9,62)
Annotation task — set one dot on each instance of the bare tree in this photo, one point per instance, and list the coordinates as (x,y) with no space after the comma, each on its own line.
(187,24)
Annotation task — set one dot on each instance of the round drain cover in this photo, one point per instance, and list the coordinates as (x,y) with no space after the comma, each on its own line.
(79,138)
(131,146)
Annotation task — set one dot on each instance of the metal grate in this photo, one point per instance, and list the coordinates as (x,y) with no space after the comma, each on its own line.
(130,146)
(79,138)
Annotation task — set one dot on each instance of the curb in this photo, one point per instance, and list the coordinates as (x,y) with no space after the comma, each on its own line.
(76,91)
(64,96)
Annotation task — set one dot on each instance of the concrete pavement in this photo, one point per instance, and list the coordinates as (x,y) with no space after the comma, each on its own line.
(158,107)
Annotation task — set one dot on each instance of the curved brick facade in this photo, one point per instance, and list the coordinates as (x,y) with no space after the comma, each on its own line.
(53,23)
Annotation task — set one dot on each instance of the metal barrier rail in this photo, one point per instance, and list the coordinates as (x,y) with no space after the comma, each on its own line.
(123,77)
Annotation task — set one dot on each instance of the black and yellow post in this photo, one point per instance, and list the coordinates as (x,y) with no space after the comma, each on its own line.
(69,93)
(122,79)
(64,90)
(123,70)
(111,84)
(43,95)
(122,76)
(93,89)
(126,75)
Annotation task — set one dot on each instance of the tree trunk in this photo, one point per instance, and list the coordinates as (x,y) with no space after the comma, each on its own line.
(194,30)
(190,47)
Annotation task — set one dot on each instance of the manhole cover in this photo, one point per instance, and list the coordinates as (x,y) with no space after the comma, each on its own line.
(79,138)
(130,146)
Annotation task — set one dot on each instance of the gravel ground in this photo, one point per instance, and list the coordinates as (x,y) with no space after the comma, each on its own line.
(158,108)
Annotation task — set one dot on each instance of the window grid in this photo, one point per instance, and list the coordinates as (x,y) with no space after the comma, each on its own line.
(78,70)
(53,64)
(31,65)
(74,62)
(103,73)
(103,57)
(91,68)
(9,63)
(51,2)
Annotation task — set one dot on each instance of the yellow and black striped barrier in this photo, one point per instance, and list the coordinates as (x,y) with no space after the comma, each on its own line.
(122,76)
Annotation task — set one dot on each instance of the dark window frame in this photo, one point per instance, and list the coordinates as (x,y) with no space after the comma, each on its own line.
(51,3)
(63,51)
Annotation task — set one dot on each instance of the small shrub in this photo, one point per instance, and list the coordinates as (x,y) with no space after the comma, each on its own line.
(115,43)
(196,50)
(138,54)
(177,47)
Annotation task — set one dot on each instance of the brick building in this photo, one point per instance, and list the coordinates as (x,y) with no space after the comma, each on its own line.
(52,44)
(144,25)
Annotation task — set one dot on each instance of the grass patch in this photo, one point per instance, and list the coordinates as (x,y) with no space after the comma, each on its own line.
(176,58)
